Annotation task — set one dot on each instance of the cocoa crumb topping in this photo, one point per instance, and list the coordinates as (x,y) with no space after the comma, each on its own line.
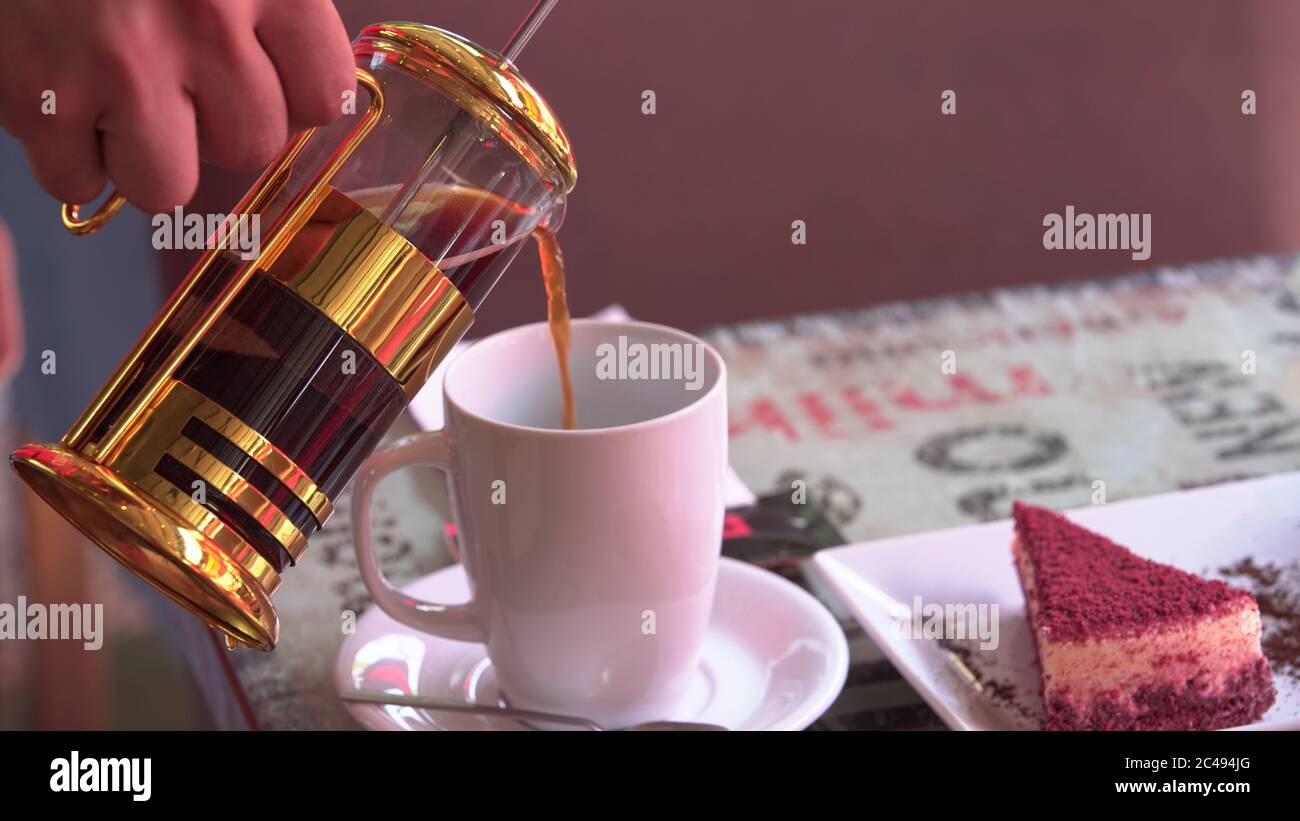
(1089,587)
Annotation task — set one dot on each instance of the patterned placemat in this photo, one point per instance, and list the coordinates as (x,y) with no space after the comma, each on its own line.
(911,417)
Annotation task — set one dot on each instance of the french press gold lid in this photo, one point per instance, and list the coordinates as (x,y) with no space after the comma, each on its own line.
(483,83)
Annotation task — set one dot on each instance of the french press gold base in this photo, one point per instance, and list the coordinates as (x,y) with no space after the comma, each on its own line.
(154,543)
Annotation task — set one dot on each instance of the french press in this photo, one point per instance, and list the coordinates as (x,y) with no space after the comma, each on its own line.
(221,443)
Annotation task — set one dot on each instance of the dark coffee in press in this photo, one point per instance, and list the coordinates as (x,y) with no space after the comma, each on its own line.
(263,361)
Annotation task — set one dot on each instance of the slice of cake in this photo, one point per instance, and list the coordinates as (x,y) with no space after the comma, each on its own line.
(1125,643)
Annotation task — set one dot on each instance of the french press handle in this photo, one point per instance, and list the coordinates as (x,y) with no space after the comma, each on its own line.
(75,224)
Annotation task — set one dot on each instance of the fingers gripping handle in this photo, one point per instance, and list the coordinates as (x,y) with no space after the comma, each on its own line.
(452,621)
(71,213)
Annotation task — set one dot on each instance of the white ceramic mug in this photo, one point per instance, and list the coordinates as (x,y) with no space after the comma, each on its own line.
(591,553)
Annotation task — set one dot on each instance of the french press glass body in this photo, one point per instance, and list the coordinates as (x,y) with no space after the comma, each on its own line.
(220,444)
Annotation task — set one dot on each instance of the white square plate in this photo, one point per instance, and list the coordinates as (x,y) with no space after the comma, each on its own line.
(1204,531)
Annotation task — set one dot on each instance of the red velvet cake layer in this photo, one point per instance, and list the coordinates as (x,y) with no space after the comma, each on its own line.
(1125,643)
(1189,706)
(1090,587)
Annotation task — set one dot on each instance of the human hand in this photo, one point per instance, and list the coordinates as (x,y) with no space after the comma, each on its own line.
(143,88)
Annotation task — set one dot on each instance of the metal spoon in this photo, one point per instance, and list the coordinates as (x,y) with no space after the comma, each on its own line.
(446,705)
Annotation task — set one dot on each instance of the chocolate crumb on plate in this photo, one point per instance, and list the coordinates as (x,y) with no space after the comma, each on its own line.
(1276,589)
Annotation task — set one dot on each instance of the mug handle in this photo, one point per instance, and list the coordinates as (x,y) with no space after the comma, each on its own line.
(451,621)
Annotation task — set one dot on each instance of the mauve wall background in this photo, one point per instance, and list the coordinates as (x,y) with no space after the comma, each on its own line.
(828,111)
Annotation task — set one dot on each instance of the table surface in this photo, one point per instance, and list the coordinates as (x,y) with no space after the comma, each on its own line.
(905,418)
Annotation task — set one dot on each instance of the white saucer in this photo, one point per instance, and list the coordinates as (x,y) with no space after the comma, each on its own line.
(773,659)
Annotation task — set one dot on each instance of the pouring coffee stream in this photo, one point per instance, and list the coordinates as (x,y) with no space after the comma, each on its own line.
(471,207)
(455,139)
(557,315)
